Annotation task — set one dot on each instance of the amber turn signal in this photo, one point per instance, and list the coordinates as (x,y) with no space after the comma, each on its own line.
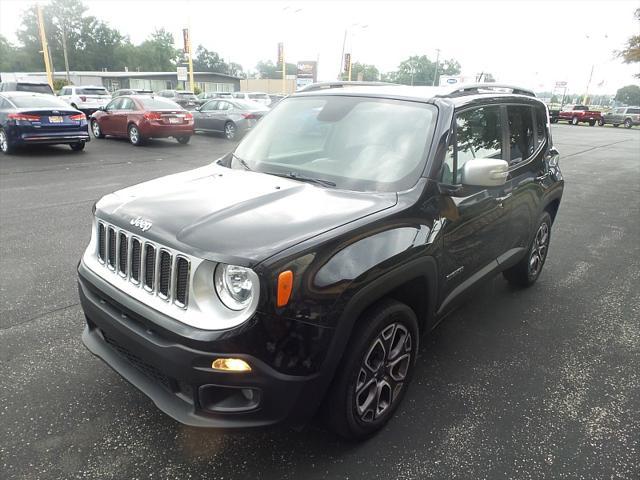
(230,365)
(285,285)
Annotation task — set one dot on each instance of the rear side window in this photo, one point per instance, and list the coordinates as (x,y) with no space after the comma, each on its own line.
(478,134)
(155,103)
(521,142)
(33,87)
(633,111)
(4,105)
(541,125)
(92,91)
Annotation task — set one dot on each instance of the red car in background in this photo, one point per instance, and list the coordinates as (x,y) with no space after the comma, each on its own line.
(140,117)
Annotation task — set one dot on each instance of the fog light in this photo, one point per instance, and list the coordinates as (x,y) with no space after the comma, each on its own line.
(231,365)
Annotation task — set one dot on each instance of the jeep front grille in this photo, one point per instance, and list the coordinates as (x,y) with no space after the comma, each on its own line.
(144,263)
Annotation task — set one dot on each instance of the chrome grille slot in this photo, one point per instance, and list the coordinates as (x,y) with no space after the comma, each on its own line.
(136,253)
(101,242)
(164,276)
(123,249)
(182,281)
(149,266)
(141,264)
(111,248)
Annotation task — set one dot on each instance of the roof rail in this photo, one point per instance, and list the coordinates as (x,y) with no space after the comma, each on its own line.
(341,84)
(475,88)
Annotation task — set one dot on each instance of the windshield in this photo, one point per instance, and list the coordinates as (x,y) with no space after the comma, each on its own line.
(37,101)
(34,87)
(358,143)
(185,95)
(249,105)
(258,96)
(92,91)
(155,103)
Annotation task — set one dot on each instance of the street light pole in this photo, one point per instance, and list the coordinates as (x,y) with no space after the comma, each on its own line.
(45,46)
(435,73)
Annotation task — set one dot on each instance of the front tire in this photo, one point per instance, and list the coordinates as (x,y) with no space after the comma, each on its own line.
(183,140)
(77,147)
(5,145)
(96,130)
(134,135)
(627,123)
(574,121)
(526,271)
(375,372)
(601,123)
(592,123)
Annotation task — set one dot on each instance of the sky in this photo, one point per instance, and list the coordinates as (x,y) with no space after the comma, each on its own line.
(530,43)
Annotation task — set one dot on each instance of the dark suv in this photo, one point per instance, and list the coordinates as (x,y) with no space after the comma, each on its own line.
(300,270)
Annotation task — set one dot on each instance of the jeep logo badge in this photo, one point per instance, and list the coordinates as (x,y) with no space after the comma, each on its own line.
(141,223)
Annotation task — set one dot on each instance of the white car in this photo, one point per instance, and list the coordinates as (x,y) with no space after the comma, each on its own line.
(259,97)
(87,99)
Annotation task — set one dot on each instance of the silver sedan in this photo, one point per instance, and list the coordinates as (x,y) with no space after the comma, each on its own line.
(233,118)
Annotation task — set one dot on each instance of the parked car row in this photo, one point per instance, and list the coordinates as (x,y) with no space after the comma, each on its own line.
(576,114)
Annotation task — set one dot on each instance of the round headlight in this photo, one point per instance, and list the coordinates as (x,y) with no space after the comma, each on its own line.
(235,285)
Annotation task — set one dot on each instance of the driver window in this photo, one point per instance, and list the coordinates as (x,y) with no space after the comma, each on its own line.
(127,104)
(114,105)
(478,134)
(210,106)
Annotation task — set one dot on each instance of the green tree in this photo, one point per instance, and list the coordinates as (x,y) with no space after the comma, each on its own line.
(270,70)
(629,95)
(631,52)
(157,53)
(370,73)
(420,70)
(208,61)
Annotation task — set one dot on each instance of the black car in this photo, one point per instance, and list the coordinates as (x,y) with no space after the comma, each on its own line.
(34,118)
(184,98)
(131,91)
(26,86)
(299,272)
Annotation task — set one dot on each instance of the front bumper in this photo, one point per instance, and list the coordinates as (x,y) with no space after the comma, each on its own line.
(178,377)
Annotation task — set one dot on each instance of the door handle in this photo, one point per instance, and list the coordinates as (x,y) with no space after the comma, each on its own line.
(500,200)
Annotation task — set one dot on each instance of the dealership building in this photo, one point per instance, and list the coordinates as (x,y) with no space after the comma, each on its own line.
(205,81)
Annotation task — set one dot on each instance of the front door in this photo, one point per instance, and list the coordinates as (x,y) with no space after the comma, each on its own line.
(476,221)
(206,115)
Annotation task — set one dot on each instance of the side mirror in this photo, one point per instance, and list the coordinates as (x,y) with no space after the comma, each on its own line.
(485,172)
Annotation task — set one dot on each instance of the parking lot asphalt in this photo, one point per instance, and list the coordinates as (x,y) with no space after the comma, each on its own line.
(540,383)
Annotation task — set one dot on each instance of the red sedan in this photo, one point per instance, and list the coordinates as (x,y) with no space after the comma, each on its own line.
(140,117)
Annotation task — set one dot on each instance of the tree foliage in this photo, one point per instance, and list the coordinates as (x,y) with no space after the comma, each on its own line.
(91,44)
(208,61)
(629,95)
(420,70)
(631,52)
(269,69)
(370,73)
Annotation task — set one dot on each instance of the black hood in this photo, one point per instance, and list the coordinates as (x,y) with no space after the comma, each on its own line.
(235,215)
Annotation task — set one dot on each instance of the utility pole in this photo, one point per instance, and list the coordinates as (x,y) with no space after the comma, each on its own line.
(45,46)
(586,93)
(64,50)
(435,73)
(342,65)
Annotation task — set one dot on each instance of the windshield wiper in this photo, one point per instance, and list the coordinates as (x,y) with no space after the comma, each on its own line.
(302,178)
(242,162)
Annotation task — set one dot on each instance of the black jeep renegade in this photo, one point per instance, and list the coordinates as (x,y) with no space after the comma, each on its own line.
(301,270)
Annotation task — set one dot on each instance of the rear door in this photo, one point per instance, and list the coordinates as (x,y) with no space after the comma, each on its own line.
(474,231)
(527,149)
(121,117)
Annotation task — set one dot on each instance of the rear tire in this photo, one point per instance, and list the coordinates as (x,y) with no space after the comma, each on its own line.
(183,140)
(77,147)
(5,145)
(601,123)
(375,371)
(627,123)
(574,121)
(96,130)
(134,135)
(592,123)
(526,271)
(230,131)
